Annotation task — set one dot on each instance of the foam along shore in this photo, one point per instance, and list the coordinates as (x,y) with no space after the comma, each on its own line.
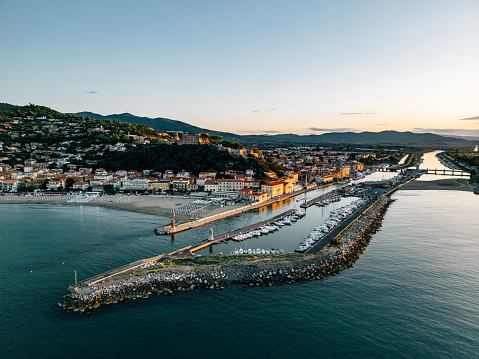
(161,205)
(169,274)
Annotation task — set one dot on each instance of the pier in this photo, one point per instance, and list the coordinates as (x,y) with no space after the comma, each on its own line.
(320,198)
(83,287)
(84,284)
(188,251)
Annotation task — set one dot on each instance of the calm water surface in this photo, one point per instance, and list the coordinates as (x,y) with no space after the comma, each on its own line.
(413,293)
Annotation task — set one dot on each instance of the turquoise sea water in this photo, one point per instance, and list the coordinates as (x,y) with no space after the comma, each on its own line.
(414,293)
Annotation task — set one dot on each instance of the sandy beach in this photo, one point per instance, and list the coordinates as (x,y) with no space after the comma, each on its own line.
(157,205)
(454,184)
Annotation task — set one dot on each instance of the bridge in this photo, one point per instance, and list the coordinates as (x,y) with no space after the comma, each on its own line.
(445,172)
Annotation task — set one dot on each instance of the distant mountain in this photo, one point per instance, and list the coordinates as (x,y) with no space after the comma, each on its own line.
(159,123)
(385,138)
(365,138)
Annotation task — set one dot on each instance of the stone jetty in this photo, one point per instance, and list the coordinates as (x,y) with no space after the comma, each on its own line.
(170,275)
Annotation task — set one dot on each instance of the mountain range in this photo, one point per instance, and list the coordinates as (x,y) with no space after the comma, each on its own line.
(347,138)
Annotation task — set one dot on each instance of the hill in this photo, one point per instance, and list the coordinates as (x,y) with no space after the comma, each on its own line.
(159,123)
(7,111)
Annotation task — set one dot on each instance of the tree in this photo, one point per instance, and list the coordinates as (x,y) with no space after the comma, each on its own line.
(44,184)
(216,139)
(108,188)
(69,183)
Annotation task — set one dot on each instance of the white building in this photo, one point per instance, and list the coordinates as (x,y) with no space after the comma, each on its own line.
(230,184)
(134,184)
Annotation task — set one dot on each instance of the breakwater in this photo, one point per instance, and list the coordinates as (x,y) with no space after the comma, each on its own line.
(170,275)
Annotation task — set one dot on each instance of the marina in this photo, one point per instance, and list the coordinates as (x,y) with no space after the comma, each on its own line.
(325,231)
(335,227)
(176,228)
(240,234)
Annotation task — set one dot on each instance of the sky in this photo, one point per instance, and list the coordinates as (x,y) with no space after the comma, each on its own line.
(241,66)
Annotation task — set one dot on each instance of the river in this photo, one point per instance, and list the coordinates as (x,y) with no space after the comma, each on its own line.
(413,293)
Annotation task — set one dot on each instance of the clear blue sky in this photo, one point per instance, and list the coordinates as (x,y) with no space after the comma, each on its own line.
(249,66)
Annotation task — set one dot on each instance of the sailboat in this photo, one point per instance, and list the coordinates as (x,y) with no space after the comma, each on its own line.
(476,149)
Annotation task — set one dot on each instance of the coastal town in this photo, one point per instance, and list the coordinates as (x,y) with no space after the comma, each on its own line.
(44,156)
(176,175)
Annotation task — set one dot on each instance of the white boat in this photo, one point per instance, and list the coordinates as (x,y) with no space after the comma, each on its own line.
(271,227)
(264,230)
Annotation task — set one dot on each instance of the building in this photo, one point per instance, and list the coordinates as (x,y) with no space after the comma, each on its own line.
(207,174)
(168,174)
(258,197)
(245,192)
(179,185)
(230,184)
(10,185)
(273,188)
(160,185)
(183,174)
(211,186)
(54,184)
(80,186)
(327,177)
(252,184)
(134,184)
(225,194)
(187,139)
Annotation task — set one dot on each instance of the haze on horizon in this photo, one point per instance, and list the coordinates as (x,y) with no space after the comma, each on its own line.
(250,66)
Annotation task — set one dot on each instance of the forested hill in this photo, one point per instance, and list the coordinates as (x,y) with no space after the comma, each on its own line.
(9,111)
(160,124)
(192,158)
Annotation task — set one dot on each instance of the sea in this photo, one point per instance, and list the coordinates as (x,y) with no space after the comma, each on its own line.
(414,292)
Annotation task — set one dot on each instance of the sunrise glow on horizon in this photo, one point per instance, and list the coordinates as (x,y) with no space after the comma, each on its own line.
(304,67)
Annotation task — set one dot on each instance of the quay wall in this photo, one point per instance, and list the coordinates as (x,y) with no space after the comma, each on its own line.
(248,270)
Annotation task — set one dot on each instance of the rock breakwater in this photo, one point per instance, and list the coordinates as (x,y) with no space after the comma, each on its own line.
(171,275)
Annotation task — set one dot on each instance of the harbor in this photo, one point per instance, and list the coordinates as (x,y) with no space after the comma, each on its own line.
(241,233)
(187,253)
(175,275)
(176,228)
